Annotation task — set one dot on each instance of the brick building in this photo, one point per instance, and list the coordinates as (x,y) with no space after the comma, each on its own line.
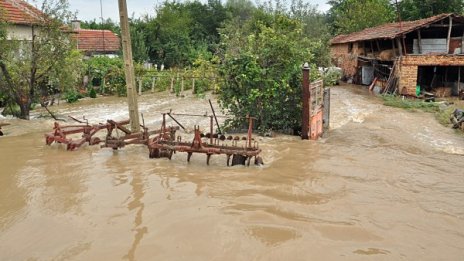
(402,56)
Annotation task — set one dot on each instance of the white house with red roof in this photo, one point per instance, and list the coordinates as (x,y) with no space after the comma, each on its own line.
(22,18)
(95,42)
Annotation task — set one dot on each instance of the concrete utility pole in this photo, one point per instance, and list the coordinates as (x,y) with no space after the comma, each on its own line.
(129,67)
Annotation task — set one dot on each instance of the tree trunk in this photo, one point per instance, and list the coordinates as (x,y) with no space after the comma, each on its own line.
(23,102)
(25,109)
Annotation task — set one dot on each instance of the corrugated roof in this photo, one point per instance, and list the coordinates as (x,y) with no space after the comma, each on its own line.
(390,30)
(19,12)
(96,40)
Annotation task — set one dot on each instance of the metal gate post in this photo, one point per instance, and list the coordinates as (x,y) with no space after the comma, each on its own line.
(326,112)
(306,100)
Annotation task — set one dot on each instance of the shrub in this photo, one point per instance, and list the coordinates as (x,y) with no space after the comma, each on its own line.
(92,93)
(72,96)
(11,109)
(331,76)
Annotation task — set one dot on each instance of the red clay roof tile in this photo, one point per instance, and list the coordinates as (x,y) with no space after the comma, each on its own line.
(92,40)
(19,12)
(390,30)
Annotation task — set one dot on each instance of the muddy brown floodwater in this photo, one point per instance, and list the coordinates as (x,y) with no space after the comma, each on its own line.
(387,184)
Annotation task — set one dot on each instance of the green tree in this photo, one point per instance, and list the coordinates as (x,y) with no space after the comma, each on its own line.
(4,98)
(170,35)
(261,66)
(106,24)
(315,27)
(240,10)
(418,9)
(108,73)
(181,31)
(347,16)
(28,67)
(139,47)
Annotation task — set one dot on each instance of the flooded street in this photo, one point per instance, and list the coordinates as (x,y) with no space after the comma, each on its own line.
(386,184)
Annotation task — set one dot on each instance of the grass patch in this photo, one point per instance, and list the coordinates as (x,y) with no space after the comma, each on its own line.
(442,111)
(443,116)
(409,104)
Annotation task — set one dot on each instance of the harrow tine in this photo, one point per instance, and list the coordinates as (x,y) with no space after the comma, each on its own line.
(228,160)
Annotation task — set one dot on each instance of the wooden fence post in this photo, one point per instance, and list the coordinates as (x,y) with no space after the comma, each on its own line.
(214,85)
(140,85)
(172,84)
(193,85)
(177,80)
(182,86)
(103,84)
(153,81)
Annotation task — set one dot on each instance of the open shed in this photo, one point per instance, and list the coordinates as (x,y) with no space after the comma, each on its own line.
(403,57)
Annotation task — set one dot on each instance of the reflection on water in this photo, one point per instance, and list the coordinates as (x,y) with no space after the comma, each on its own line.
(138,206)
(272,236)
(386,184)
(371,251)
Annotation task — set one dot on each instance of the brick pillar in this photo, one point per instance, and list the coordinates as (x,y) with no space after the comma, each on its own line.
(408,79)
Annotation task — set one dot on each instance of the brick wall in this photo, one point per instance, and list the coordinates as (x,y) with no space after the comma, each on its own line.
(408,79)
(434,60)
(409,67)
(343,59)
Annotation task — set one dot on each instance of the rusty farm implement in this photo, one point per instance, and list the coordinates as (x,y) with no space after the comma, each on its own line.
(162,142)
(63,134)
(165,144)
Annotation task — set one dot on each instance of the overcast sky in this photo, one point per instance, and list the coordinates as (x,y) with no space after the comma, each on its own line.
(90,9)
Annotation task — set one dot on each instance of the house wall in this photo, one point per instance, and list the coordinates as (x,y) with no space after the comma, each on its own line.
(409,68)
(341,57)
(19,32)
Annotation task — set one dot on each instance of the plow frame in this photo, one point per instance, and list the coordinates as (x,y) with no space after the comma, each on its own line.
(60,133)
(165,145)
(161,143)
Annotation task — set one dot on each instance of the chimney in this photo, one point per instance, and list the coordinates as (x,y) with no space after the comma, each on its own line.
(75,25)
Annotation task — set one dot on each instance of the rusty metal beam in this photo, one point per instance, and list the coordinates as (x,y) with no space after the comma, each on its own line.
(178,123)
